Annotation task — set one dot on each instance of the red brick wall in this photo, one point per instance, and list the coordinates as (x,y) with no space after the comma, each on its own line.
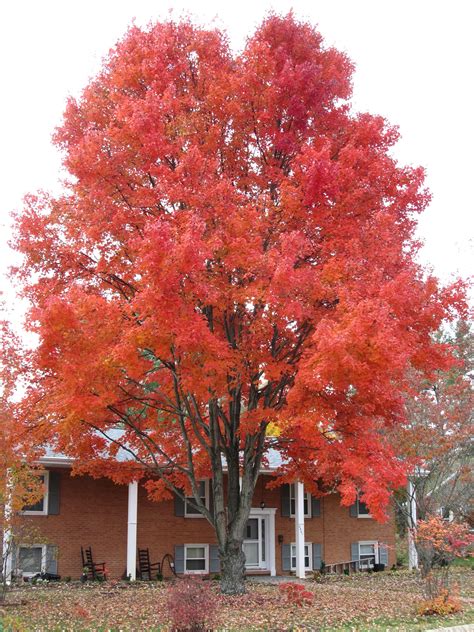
(93,512)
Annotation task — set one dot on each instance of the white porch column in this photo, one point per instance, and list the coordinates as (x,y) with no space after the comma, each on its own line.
(7,544)
(299,529)
(271,543)
(412,552)
(132,530)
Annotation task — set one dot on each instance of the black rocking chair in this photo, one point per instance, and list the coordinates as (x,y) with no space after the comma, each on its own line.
(146,569)
(94,570)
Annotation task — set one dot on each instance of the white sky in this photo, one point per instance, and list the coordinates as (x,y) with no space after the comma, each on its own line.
(414,65)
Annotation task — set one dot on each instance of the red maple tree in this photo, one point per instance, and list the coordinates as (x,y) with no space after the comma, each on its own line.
(234,248)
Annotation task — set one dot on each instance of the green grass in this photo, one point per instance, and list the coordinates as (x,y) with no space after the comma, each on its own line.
(464,562)
(403,624)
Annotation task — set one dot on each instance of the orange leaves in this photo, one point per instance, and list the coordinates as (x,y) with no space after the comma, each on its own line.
(446,538)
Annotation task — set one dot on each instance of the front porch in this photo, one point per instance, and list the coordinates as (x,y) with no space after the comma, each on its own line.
(259,542)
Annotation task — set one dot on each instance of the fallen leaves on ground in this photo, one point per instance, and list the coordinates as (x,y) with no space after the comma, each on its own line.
(351,603)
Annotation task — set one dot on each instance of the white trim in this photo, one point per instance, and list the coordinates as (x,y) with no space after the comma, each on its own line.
(412,519)
(206,559)
(376,546)
(206,501)
(52,461)
(44,511)
(362,515)
(307,495)
(132,530)
(7,544)
(270,541)
(43,548)
(299,530)
(310,556)
(258,511)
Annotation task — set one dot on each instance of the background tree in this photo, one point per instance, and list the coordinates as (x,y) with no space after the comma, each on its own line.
(436,441)
(233,249)
(19,486)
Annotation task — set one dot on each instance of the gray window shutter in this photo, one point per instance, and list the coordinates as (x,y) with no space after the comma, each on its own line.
(51,565)
(53,493)
(286,557)
(383,554)
(214,559)
(285,501)
(178,506)
(315,507)
(355,552)
(179,559)
(353,510)
(317,556)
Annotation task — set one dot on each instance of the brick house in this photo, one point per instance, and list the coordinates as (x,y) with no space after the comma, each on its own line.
(288,530)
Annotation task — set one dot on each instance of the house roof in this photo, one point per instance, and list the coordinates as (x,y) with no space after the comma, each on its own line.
(52,457)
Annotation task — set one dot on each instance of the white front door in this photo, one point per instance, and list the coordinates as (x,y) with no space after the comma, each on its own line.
(256,543)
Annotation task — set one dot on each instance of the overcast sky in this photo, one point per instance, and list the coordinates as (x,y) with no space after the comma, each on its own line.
(413,61)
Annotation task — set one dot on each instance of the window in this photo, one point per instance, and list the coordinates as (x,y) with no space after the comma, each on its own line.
(31,559)
(307,502)
(308,566)
(190,510)
(368,554)
(196,558)
(40,508)
(363,510)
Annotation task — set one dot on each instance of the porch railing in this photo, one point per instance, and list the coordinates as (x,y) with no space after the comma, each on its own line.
(354,566)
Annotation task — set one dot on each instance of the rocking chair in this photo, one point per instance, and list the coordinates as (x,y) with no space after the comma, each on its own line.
(145,567)
(94,570)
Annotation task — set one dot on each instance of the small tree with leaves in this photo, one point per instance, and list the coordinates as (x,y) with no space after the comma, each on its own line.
(439,542)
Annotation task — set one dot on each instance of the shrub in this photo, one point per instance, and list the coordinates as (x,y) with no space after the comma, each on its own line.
(296,594)
(191,606)
(439,542)
(444,604)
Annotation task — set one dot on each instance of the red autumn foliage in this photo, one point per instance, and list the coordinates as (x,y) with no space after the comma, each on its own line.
(443,540)
(296,594)
(191,606)
(234,248)
(438,543)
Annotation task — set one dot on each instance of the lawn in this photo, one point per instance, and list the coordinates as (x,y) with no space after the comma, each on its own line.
(383,601)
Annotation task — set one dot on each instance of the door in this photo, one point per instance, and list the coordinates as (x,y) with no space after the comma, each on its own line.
(255,543)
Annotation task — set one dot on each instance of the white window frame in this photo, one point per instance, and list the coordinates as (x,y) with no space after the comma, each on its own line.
(373,543)
(206,559)
(310,556)
(44,511)
(362,515)
(206,501)
(307,496)
(43,558)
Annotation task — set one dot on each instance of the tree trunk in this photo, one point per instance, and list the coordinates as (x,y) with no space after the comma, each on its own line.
(233,568)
